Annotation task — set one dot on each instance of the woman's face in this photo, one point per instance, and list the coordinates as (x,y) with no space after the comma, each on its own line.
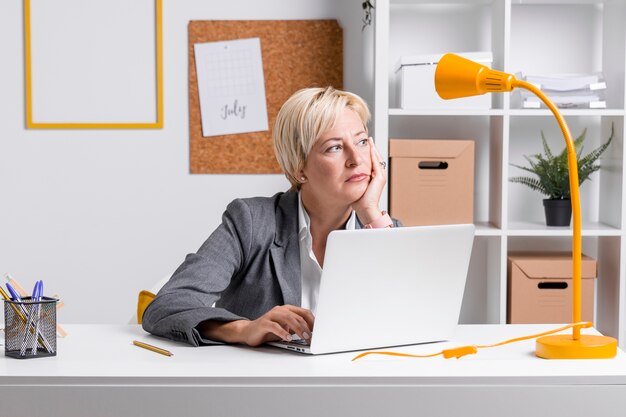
(339,166)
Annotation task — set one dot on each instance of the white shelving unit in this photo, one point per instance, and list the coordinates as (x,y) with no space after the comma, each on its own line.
(533,36)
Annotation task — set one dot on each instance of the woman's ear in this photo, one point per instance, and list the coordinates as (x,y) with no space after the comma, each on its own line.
(301,177)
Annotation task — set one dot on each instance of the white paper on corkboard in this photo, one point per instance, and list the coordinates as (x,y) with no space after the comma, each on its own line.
(231,87)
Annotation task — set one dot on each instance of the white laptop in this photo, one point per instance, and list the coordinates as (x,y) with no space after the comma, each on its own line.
(389,287)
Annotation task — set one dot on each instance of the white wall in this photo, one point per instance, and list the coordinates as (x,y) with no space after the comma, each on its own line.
(102,214)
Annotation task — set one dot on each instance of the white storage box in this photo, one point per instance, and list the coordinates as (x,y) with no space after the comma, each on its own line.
(416,83)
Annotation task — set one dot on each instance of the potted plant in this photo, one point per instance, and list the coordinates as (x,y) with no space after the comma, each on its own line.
(552,176)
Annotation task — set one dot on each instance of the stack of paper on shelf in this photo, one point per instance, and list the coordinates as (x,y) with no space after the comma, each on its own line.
(565,91)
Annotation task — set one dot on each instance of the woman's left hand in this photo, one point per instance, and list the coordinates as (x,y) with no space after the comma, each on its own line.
(367,207)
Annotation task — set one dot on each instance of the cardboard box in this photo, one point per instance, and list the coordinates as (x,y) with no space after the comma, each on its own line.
(431,181)
(540,288)
(416,83)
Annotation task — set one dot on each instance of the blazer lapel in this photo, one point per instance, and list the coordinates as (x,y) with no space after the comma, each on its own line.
(285,250)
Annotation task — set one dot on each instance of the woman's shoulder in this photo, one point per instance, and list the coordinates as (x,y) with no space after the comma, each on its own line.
(265,219)
(266,203)
(265,207)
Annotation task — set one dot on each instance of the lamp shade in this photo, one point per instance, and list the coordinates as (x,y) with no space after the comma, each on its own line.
(457,77)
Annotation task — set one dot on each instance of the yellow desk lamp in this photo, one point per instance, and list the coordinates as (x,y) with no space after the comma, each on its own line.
(457,77)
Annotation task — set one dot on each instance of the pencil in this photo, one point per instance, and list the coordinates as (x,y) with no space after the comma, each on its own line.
(153,348)
(20,290)
(17,311)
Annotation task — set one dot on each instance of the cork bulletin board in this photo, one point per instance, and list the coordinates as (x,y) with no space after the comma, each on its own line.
(296,54)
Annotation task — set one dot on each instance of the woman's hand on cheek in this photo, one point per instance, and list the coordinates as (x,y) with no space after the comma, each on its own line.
(367,207)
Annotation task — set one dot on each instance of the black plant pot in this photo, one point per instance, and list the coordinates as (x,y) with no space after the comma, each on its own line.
(558,212)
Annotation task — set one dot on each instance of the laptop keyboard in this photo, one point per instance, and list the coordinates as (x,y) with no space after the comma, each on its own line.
(297,341)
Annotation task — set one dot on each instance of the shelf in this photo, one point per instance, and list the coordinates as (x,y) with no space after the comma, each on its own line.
(487,229)
(540,229)
(554,2)
(567,112)
(445,112)
(502,112)
(565,36)
(440,3)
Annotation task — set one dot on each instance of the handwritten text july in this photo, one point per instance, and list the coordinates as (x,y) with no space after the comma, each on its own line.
(236,110)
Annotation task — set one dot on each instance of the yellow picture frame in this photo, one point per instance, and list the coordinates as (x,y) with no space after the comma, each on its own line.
(31,124)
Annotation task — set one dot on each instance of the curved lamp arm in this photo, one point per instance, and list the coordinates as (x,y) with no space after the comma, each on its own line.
(572,167)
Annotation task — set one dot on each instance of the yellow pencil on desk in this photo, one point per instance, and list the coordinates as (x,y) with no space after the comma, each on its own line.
(153,348)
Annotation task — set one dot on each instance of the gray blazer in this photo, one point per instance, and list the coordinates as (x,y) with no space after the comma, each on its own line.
(248,265)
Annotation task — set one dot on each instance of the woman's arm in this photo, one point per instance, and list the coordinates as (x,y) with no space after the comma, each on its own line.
(187,299)
(234,267)
(277,324)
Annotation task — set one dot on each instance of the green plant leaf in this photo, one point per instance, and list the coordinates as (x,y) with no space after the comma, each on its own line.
(546,148)
(533,183)
(552,170)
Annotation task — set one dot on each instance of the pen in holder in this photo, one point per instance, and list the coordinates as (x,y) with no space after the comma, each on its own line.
(30,327)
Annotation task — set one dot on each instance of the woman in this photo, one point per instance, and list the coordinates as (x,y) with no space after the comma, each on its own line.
(256,278)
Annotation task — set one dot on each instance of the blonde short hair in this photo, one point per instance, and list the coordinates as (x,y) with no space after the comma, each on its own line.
(304,118)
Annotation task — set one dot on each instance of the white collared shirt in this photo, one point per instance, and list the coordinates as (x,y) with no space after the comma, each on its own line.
(310,270)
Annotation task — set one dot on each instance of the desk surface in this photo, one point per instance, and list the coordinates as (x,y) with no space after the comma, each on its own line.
(102,357)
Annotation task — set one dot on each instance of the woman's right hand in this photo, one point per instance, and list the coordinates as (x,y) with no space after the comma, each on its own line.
(277,324)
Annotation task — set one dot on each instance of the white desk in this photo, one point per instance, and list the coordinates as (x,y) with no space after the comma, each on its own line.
(98,372)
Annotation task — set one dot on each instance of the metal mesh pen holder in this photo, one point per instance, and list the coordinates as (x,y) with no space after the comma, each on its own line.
(30,328)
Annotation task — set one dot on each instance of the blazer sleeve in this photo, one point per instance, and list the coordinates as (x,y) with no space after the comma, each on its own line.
(187,299)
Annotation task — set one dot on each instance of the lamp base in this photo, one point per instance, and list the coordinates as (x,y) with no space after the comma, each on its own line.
(563,346)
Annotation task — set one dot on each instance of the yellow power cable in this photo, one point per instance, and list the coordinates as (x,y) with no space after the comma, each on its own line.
(460,351)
